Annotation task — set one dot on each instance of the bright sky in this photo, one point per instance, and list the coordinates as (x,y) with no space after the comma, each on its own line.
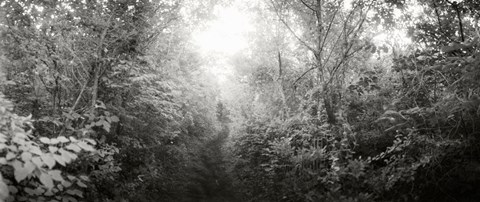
(397,36)
(223,37)
(226,34)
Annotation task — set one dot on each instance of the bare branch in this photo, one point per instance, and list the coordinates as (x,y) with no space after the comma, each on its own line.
(328,30)
(347,53)
(301,76)
(290,29)
(308,6)
(339,36)
(318,14)
(78,98)
(279,66)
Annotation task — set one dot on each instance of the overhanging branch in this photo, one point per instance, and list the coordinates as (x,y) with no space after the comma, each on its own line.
(308,6)
(301,76)
(277,12)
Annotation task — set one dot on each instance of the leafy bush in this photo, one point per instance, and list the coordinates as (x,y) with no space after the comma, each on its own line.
(31,167)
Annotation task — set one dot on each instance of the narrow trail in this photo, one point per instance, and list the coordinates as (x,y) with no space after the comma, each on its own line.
(214,183)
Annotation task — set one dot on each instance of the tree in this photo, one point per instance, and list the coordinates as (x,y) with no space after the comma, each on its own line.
(331,35)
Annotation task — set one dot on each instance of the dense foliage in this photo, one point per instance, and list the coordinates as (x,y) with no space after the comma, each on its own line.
(112,101)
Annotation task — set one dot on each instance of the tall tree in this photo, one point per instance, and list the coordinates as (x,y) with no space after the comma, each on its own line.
(332,35)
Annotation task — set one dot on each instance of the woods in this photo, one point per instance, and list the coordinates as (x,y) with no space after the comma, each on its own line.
(271,100)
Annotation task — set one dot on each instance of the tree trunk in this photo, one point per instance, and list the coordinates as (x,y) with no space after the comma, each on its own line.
(330,109)
(95,87)
(284,114)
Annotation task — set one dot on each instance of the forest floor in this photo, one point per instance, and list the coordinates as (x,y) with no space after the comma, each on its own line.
(215,185)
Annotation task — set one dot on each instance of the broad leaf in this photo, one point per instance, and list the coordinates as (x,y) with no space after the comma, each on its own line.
(52,149)
(39,191)
(56,175)
(66,183)
(29,166)
(85,146)
(114,119)
(35,150)
(90,141)
(74,192)
(48,193)
(67,156)
(73,139)
(46,180)
(63,139)
(84,178)
(10,156)
(81,184)
(21,174)
(59,159)
(37,161)
(54,141)
(44,140)
(26,156)
(3,189)
(73,147)
(13,189)
(29,191)
(49,160)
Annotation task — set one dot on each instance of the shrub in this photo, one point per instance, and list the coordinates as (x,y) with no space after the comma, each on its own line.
(31,167)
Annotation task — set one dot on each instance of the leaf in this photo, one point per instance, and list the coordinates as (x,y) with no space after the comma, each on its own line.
(2,139)
(52,149)
(46,180)
(90,141)
(29,191)
(73,147)
(12,189)
(63,139)
(69,199)
(3,160)
(106,126)
(18,140)
(44,140)
(73,139)
(37,161)
(3,189)
(48,193)
(84,178)
(71,177)
(54,141)
(26,156)
(10,156)
(13,148)
(74,192)
(35,150)
(49,160)
(100,122)
(59,159)
(85,146)
(21,173)
(67,156)
(66,183)
(114,119)
(22,198)
(56,175)
(3,136)
(39,191)
(29,166)
(81,184)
